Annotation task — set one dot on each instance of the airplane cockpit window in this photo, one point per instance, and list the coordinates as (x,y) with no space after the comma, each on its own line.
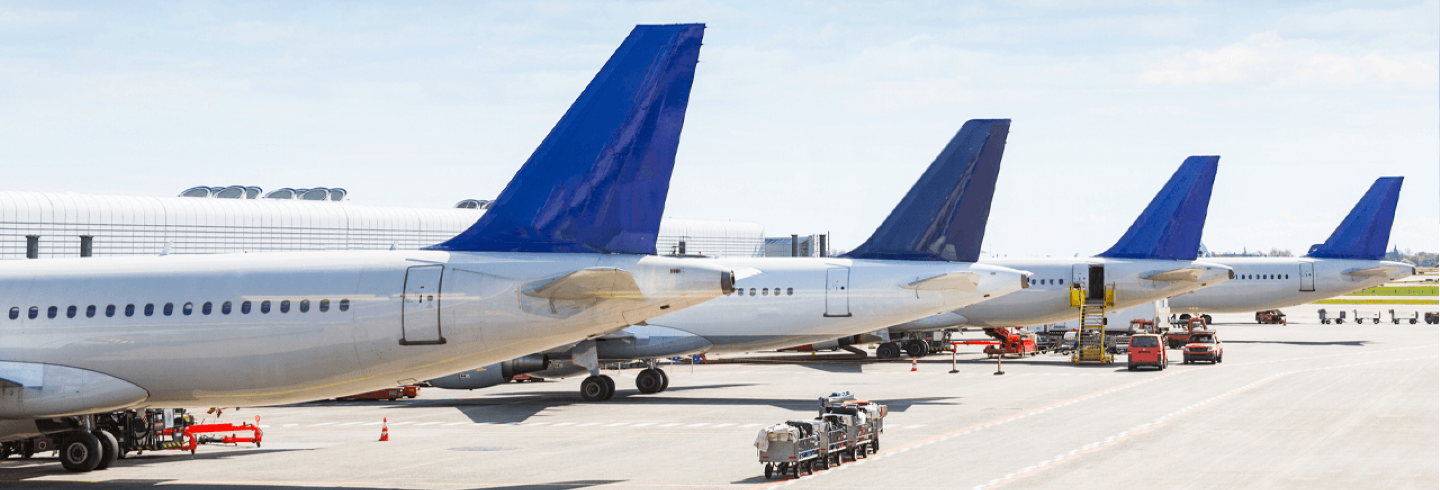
(285,306)
(188,309)
(324,305)
(245,307)
(52,312)
(169,308)
(344,305)
(225,308)
(14,312)
(90,311)
(71,311)
(265,306)
(304,306)
(205,308)
(109,311)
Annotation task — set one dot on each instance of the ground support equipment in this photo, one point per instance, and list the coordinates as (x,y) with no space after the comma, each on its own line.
(846,428)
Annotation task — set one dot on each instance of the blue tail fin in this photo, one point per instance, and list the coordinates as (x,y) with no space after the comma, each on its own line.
(599,180)
(1366,231)
(1171,225)
(944,215)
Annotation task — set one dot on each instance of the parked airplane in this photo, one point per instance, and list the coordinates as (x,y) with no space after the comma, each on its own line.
(565,253)
(1350,260)
(1155,259)
(919,262)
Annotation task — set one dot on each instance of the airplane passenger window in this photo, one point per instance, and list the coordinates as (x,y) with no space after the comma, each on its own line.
(225,308)
(129,310)
(52,312)
(324,305)
(70,312)
(789,291)
(169,308)
(285,306)
(109,311)
(14,312)
(1287,276)
(304,306)
(265,306)
(344,304)
(188,308)
(149,309)
(752,293)
(765,292)
(34,312)
(245,307)
(90,311)
(205,308)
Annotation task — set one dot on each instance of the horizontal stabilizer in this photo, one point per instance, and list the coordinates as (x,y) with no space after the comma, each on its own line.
(1366,231)
(599,180)
(1188,274)
(597,283)
(1377,271)
(1170,227)
(963,281)
(943,217)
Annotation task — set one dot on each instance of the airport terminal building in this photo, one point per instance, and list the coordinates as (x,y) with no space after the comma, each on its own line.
(68,224)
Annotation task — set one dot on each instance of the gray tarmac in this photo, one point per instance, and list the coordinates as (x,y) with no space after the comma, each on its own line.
(1296,406)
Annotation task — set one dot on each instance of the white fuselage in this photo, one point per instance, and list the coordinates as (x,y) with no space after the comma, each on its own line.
(1264,283)
(251,329)
(1048,300)
(802,300)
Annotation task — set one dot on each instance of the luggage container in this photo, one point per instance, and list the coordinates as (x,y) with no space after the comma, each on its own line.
(846,428)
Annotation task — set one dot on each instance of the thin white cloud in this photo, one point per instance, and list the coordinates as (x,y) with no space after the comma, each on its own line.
(1268,59)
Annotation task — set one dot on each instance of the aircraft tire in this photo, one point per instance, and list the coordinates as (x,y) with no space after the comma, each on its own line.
(664,380)
(109,448)
(916,348)
(594,389)
(1207,319)
(887,350)
(80,452)
(609,383)
(649,381)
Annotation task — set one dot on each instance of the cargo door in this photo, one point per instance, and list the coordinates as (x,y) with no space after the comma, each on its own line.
(420,318)
(1307,276)
(837,294)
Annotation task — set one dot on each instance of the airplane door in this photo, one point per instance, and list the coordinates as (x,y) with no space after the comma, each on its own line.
(1307,276)
(837,296)
(420,316)
(1080,274)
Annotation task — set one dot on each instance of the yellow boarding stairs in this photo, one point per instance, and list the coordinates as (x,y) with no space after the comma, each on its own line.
(1091,338)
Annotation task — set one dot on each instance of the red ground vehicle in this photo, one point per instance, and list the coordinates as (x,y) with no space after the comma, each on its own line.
(1177,337)
(1269,316)
(1204,346)
(1148,350)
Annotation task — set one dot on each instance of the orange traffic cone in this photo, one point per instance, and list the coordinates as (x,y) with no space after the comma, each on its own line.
(912,365)
(385,429)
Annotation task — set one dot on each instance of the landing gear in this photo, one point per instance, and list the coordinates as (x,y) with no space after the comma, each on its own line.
(916,348)
(81,452)
(1207,319)
(887,350)
(651,380)
(597,388)
(109,448)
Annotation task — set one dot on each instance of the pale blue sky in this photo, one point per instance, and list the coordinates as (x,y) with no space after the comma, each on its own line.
(805,116)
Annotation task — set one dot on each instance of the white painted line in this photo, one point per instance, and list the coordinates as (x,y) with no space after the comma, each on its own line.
(562,424)
(291,425)
(643,424)
(427,423)
(751,425)
(351,423)
(399,423)
(372,423)
(617,424)
(702,424)
(456,423)
(671,424)
(588,424)
(322,425)
(722,425)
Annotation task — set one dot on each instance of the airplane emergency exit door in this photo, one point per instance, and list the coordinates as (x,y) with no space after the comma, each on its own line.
(1307,276)
(837,294)
(420,315)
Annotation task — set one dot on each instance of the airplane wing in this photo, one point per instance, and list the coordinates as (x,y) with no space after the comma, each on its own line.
(1190,274)
(964,281)
(1377,271)
(596,283)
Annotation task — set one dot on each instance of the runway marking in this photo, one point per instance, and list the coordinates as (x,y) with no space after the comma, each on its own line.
(722,425)
(588,424)
(702,424)
(393,423)
(351,423)
(373,423)
(671,424)
(1158,423)
(532,424)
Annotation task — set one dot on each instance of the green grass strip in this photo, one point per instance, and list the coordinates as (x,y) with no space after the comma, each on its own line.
(1431,291)
(1377,302)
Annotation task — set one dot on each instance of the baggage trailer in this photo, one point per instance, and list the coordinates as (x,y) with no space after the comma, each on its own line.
(1325,319)
(1362,315)
(1414,317)
(846,428)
